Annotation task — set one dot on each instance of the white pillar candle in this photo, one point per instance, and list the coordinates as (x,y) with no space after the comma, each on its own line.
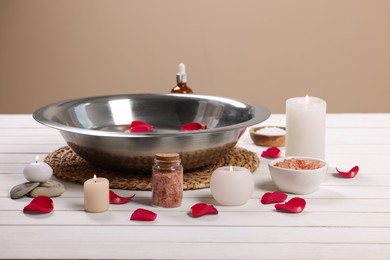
(231,185)
(305,127)
(37,171)
(96,195)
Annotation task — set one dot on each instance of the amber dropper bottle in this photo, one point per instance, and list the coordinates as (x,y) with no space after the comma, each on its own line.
(181,79)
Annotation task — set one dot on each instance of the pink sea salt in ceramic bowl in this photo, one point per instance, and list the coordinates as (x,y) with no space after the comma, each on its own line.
(299,175)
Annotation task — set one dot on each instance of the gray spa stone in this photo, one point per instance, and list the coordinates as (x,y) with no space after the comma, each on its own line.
(23,189)
(49,188)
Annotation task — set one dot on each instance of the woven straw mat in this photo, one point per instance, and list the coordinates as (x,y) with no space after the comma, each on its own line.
(69,166)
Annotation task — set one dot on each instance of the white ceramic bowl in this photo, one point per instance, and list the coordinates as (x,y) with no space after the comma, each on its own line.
(297,181)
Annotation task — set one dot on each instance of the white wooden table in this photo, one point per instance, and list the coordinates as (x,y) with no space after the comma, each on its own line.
(344,219)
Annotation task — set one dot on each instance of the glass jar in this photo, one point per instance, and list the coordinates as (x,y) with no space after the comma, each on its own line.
(167,180)
(181,80)
(182,88)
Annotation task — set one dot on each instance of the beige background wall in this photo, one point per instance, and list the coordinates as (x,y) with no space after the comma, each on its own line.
(258,51)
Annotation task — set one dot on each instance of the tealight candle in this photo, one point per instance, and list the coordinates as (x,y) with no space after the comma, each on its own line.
(305,127)
(232,185)
(96,195)
(37,171)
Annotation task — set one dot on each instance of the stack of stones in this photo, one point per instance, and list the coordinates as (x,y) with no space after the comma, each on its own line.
(39,184)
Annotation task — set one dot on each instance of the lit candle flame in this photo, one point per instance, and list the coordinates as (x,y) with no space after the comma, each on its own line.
(94,177)
(307,99)
(36,159)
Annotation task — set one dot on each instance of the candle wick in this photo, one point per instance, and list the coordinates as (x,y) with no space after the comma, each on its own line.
(307,101)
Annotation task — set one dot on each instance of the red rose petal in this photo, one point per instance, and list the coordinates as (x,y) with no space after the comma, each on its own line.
(350,174)
(201,209)
(272,152)
(193,126)
(295,205)
(140,127)
(143,215)
(137,123)
(273,197)
(116,199)
(40,204)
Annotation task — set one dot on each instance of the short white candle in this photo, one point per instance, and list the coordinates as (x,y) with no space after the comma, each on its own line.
(231,185)
(96,195)
(37,171)
(305,127)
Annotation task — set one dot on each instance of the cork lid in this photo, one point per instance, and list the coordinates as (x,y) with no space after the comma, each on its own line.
(167,157)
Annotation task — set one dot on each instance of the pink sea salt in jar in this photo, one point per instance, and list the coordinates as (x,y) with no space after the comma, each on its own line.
(167,180)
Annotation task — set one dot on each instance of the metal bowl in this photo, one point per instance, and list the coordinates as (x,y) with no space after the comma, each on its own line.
(95,127)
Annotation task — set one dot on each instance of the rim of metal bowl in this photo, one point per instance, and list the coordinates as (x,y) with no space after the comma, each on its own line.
(260,114)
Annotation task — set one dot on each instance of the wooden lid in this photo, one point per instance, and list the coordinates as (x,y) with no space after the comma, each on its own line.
(167,157)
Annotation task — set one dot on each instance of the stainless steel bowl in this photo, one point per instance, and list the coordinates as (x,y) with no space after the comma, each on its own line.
(95,127)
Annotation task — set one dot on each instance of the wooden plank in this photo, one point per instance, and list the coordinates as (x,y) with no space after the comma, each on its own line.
(29,148)
(15,162)
(18,120)
(367,175)
(362,186)
(116,243)
(314,204)
(346,136)
(32,140)
(18,159)
(358,136)
(30,132)
(269,218)
(347,120)
(153,234)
